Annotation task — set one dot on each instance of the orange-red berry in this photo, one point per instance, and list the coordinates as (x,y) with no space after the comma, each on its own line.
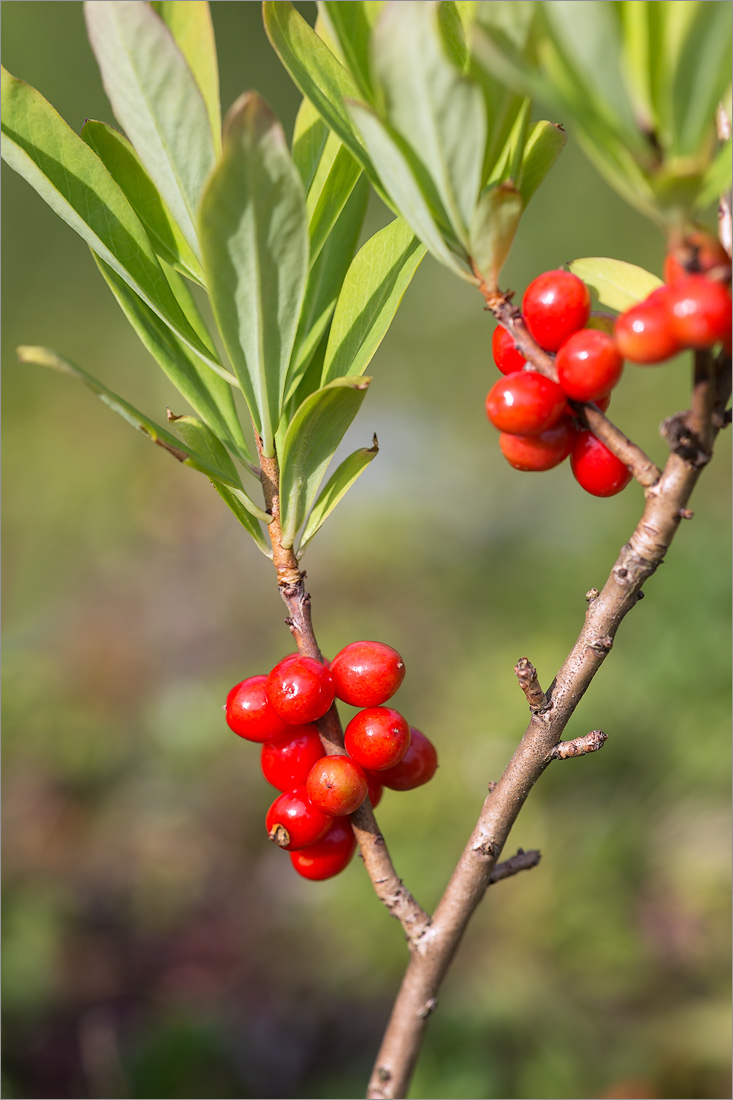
(595,468)
(539,452)
(337,785)
(589,365)
(250,714)
(417,766)
(644,334)
(367,674)
(555,305)
(286,762)
(525,403)
(506,356)
(293,821)
(700,311)
(377,738)
(300,689)
(329,856)
(699,253)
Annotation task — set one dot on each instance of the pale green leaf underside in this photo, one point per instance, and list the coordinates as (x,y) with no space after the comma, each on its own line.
(191,27)
(335,489)
(372,290)
(46,357)
(615,283)
(493,228)
(157,101)
(310,442)
(39,145)
(254,236)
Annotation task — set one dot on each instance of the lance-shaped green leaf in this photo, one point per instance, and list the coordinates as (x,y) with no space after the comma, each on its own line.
(701,77)
(318,74)
(372,290)
(123,164)
(335,489)
(202,440)
(310,443)
(405,191)
(615,283)
(432,105)
(310,138)
(543,146)
(717,179)
(39,145)
(46,357)
(208,394)
(325,280)
(191,26)
(254,235)
(351,25)
(492,230)
(157,101)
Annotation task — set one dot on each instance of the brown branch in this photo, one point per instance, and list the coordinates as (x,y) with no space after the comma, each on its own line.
(579,746)
(509,317)
(372,846)
(522,861)
(666,503)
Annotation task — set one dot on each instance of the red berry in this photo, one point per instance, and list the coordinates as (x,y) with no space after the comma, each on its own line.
(366,674)
(418,765)
(700,311)
(337,785)
(588,365)
(300,689)
(329,856)
(294,822)
(376,790)
(506,356)
(644,333)
(377,738)
(525,403)
(594,467)
(700,252)
(250,714)
(539,452)
(555,305)
(286,762)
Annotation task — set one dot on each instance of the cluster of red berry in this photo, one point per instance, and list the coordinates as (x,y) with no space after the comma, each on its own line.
(310,817)
(537,424)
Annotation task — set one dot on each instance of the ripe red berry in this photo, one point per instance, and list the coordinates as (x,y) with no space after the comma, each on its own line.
(700,311)
(594,467)
(377,738)
(250,714)
(376,789)
(555,305)
(337,785)
(286,762)
(525,403)
(417,766)
(366,674)
(699,253)
(588,365)
(329,856)
(644,333)
(506,356)
(539,452)
(293,821)
(300,689)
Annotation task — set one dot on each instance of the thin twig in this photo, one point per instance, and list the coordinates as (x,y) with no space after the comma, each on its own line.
(579,746)
(388,887)
(666,503)
(526,675)
(522,861)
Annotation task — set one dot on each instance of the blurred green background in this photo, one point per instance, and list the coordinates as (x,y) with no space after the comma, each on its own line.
(155,944)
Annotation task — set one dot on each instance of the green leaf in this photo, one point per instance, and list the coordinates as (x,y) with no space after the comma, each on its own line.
(335,191)
(615,283)
(325,280)
(157,101)
(65,172)
(492,231)
(201,439)
(208,394)
(123,164)
(543,147)
(310,137)
(351,25)
(717,179)
(432,105)
(254,237)
(372,290)
(335,489)
(701,77)
(191,26)
(405,191)
(46,357)
(317,73)
(310,442)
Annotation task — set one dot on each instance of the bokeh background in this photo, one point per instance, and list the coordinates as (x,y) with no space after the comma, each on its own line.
(155,944)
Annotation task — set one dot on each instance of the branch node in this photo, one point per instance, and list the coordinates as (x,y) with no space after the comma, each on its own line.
(428,1008)
(579,746)
(685,513)
(683,441)
(522,861)
(491,786)
(486,850)
(602,644)
(526,674)
(592,594)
